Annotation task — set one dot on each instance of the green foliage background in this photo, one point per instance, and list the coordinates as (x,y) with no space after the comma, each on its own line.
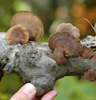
(69,88)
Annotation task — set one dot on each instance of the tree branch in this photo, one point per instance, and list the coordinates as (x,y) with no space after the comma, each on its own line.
(33,64)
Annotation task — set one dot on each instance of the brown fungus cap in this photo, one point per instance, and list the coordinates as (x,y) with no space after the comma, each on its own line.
(94,57)
(17,34)
(86,53)
(58,56)
(90,75)
(68,27)
(31,21)
(65,43)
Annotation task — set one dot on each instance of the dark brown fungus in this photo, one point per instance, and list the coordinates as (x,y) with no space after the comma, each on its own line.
(17,34)
(86,53)
(31,21)
(58,56)
(62,44)
(94,57)
(90,75)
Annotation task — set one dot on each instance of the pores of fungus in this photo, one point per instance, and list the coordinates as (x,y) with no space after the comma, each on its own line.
(62,44)
(17,34)
(90,75)
(68,27)
(31,21)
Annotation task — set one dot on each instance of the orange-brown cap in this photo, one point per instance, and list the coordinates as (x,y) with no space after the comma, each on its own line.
(31,21)
(67,42)
(86,53)
(58,56)
(94,57)
(17,34)
(62,44)
(68,27)
(90,75)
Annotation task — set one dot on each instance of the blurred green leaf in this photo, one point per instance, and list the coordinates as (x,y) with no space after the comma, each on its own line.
(72,89)
(22,6)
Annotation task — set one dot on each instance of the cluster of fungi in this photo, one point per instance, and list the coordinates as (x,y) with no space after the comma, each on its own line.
(26,26)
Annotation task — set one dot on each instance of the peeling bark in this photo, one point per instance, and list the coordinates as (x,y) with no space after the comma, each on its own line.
(33,64)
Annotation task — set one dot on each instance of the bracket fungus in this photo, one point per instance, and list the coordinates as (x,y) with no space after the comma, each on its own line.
(31,21)
(62,44)
(68,27)
(90,75)
(86,53)
(17,34)
(66,41)
(94,57)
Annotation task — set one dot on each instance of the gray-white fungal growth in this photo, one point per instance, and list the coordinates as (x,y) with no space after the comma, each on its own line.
(32,63)
(68,27)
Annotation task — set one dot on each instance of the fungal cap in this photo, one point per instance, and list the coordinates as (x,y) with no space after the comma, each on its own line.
(58,56)
(86,53)
(68,27)
(90,75)
(17,34)
(67,42)
(94,57)
(31,21)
